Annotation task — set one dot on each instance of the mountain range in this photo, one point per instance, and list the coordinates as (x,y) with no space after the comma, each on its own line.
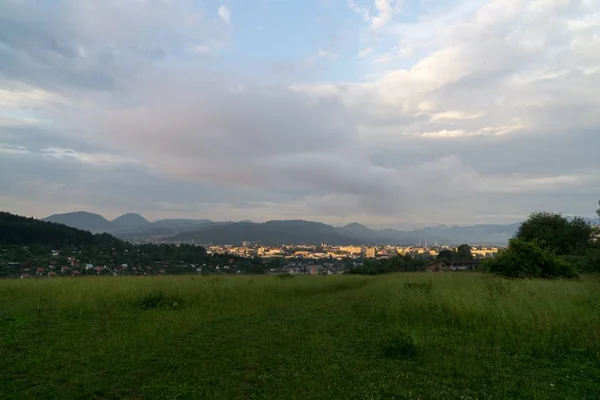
(127,225)
(134,226)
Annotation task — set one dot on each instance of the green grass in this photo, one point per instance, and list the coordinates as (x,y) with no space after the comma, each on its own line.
(455,336)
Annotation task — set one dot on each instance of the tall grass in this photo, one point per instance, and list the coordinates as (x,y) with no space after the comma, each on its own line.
(398,336)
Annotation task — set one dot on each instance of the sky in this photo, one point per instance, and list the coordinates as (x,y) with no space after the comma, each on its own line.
(391,113)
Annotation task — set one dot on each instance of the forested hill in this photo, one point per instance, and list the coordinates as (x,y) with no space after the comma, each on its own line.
(17,230)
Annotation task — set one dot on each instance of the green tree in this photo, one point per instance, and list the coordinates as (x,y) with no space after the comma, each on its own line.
(556,233)
(463,253)
(446,254)
(527,259)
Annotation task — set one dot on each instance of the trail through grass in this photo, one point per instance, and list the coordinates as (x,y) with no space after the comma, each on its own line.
(404,336)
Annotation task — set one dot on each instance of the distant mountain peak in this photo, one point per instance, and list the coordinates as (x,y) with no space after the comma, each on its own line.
(355,225)
(130,219)
(81,220)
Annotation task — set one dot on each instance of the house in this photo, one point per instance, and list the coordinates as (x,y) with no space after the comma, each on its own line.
(437,266)
(443,265)
(89,267)
(471,265)
(75,273)
(64,269)
(98,269)
(51,273)
(40,269)
(24,276)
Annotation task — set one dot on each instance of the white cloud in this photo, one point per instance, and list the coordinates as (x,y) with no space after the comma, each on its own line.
(385,12)
(446,134)
(10,149)
(90,158)
(365,52)
(225,13)
(25,96)
(327,53)
(455,115)
(363,12)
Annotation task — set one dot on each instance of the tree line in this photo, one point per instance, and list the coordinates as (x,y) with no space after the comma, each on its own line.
(550,245)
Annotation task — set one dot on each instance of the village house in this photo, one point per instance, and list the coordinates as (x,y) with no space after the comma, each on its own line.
(437,266)
(443,265)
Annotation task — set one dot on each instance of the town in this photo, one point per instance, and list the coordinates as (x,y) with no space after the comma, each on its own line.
(252,249)
(249,258)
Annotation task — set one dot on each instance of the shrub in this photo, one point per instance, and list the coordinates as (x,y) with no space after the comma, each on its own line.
(399,346)
(523,259)
(159,300)
(424,287)
(152,300)
(588,261)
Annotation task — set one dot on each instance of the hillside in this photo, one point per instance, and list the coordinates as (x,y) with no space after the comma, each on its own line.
(17,230)
(305,232)
(130,220)
(271,232)
(82,220)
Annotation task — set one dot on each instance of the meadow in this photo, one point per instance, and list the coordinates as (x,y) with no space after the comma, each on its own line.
(400,336)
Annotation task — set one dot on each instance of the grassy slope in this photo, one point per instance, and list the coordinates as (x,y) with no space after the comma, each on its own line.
(300,338)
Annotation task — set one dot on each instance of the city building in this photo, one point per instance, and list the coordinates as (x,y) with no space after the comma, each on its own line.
(371,252)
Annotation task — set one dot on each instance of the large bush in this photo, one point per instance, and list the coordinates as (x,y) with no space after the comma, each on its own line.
(556,233)
(523,259)
(589,261)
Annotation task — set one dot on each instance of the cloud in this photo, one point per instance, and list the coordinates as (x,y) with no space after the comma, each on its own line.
(224,13)
(491,113)
(24,96)
(384,11)
(455,115)
(364,52)
(9,149)
(98,159)
(327,54)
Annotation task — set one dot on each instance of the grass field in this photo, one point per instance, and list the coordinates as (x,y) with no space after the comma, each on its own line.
(404,336)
